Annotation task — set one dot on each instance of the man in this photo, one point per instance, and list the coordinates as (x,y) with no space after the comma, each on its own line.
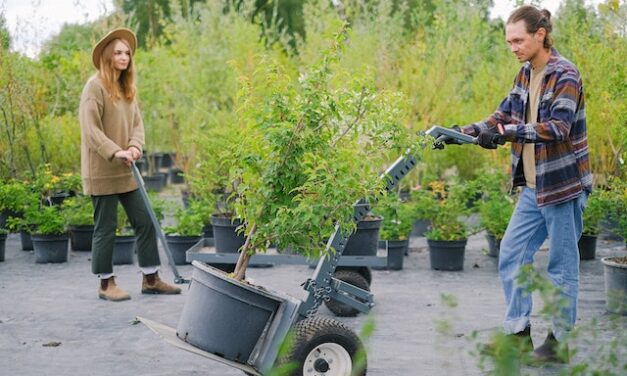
(544,118)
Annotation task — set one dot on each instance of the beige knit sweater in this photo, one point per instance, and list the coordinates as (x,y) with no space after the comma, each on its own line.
(106,128)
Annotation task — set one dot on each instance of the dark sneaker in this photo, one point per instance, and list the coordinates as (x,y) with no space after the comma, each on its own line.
(550,351)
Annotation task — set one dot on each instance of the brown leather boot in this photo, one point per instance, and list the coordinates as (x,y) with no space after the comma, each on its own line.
(550,351)
(152,284)
(110,291)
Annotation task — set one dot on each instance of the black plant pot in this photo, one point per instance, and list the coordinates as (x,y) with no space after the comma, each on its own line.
(494,245)
(363,242)
(587,247)
(81,237)
(420,227)
(176,176)
(226,238)
(396,252)
(447,255)
(50,248)
(615,284)
(27,241)
(167,160)
(154,182)
(217,305)
(155,160)
(3,238)
(179,245)
(5,214)
(123,249)
(207,231)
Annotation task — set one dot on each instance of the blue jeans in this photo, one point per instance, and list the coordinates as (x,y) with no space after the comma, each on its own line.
(527,230)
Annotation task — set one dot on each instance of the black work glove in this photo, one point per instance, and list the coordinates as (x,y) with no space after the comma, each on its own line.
(488,139)
(451,140)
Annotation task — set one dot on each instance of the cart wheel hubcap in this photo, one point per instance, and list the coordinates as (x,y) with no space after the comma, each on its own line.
(328,359)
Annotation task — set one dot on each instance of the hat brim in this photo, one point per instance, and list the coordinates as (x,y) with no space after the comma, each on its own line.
(119,33)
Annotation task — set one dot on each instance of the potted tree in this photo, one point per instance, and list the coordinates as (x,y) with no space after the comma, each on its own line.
(186,233)
(448,235)
(306,152)
(80,219)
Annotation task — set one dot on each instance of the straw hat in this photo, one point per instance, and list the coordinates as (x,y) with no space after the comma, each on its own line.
(119,33)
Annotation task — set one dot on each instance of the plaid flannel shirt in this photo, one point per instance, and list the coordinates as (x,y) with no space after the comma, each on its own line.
(560,137)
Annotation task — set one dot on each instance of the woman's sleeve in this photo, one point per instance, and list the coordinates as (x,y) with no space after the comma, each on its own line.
(137,134)
(90,117)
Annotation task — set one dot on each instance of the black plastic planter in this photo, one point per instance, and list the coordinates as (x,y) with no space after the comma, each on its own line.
(123,249)
(27,241)
(50,248)
(5,214)
(207,231)
(363,242)
(226,238)
(615,284)
(223,316)
(176,176)
(494,245)
(154,182)
(447,255)
(166,161)
(420,227)
(587,247)
(3,238)
(179,245)
(396,253)
(81,237)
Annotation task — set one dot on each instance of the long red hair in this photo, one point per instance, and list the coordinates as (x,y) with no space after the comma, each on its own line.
(119,84)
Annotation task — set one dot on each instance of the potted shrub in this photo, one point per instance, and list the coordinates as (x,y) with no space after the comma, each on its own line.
(79,214)
(615,268)
(186,233)
(421,201)
(397,225)
(49,234)
(596,209)
(15,196)
(448,235)
(495,207)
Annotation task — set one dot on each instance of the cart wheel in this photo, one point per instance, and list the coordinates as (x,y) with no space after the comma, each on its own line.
(325,347)
(355,279)
(363,270)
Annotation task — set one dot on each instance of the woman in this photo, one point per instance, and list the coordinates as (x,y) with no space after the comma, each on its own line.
(112,136)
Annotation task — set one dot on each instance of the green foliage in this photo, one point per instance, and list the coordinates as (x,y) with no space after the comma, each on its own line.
(596,209)
(398,217)
(616,196)
(78,211)
(15,195)
(45,220)
(448,205)
(496,204)
(308,150)
(188,223)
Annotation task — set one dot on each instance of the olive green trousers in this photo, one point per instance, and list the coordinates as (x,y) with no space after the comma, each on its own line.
(105,223)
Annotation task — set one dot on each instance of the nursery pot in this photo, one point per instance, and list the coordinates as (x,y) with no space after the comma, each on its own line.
(223,316)
(50,248)
(3,238)
(420,227)
(27,241)
(363,242)
(447,254)
(396,252)
(494,245)
(179,245)
(616,284)
(155,160)
(81,237)
(154,182)
(166,161)
(123,249)
(207,231)
(176,176)
(587,247)
(5,214)
(225,238)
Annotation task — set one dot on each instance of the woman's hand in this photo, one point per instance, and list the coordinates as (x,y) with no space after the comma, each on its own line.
(136,153)
(125,155)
